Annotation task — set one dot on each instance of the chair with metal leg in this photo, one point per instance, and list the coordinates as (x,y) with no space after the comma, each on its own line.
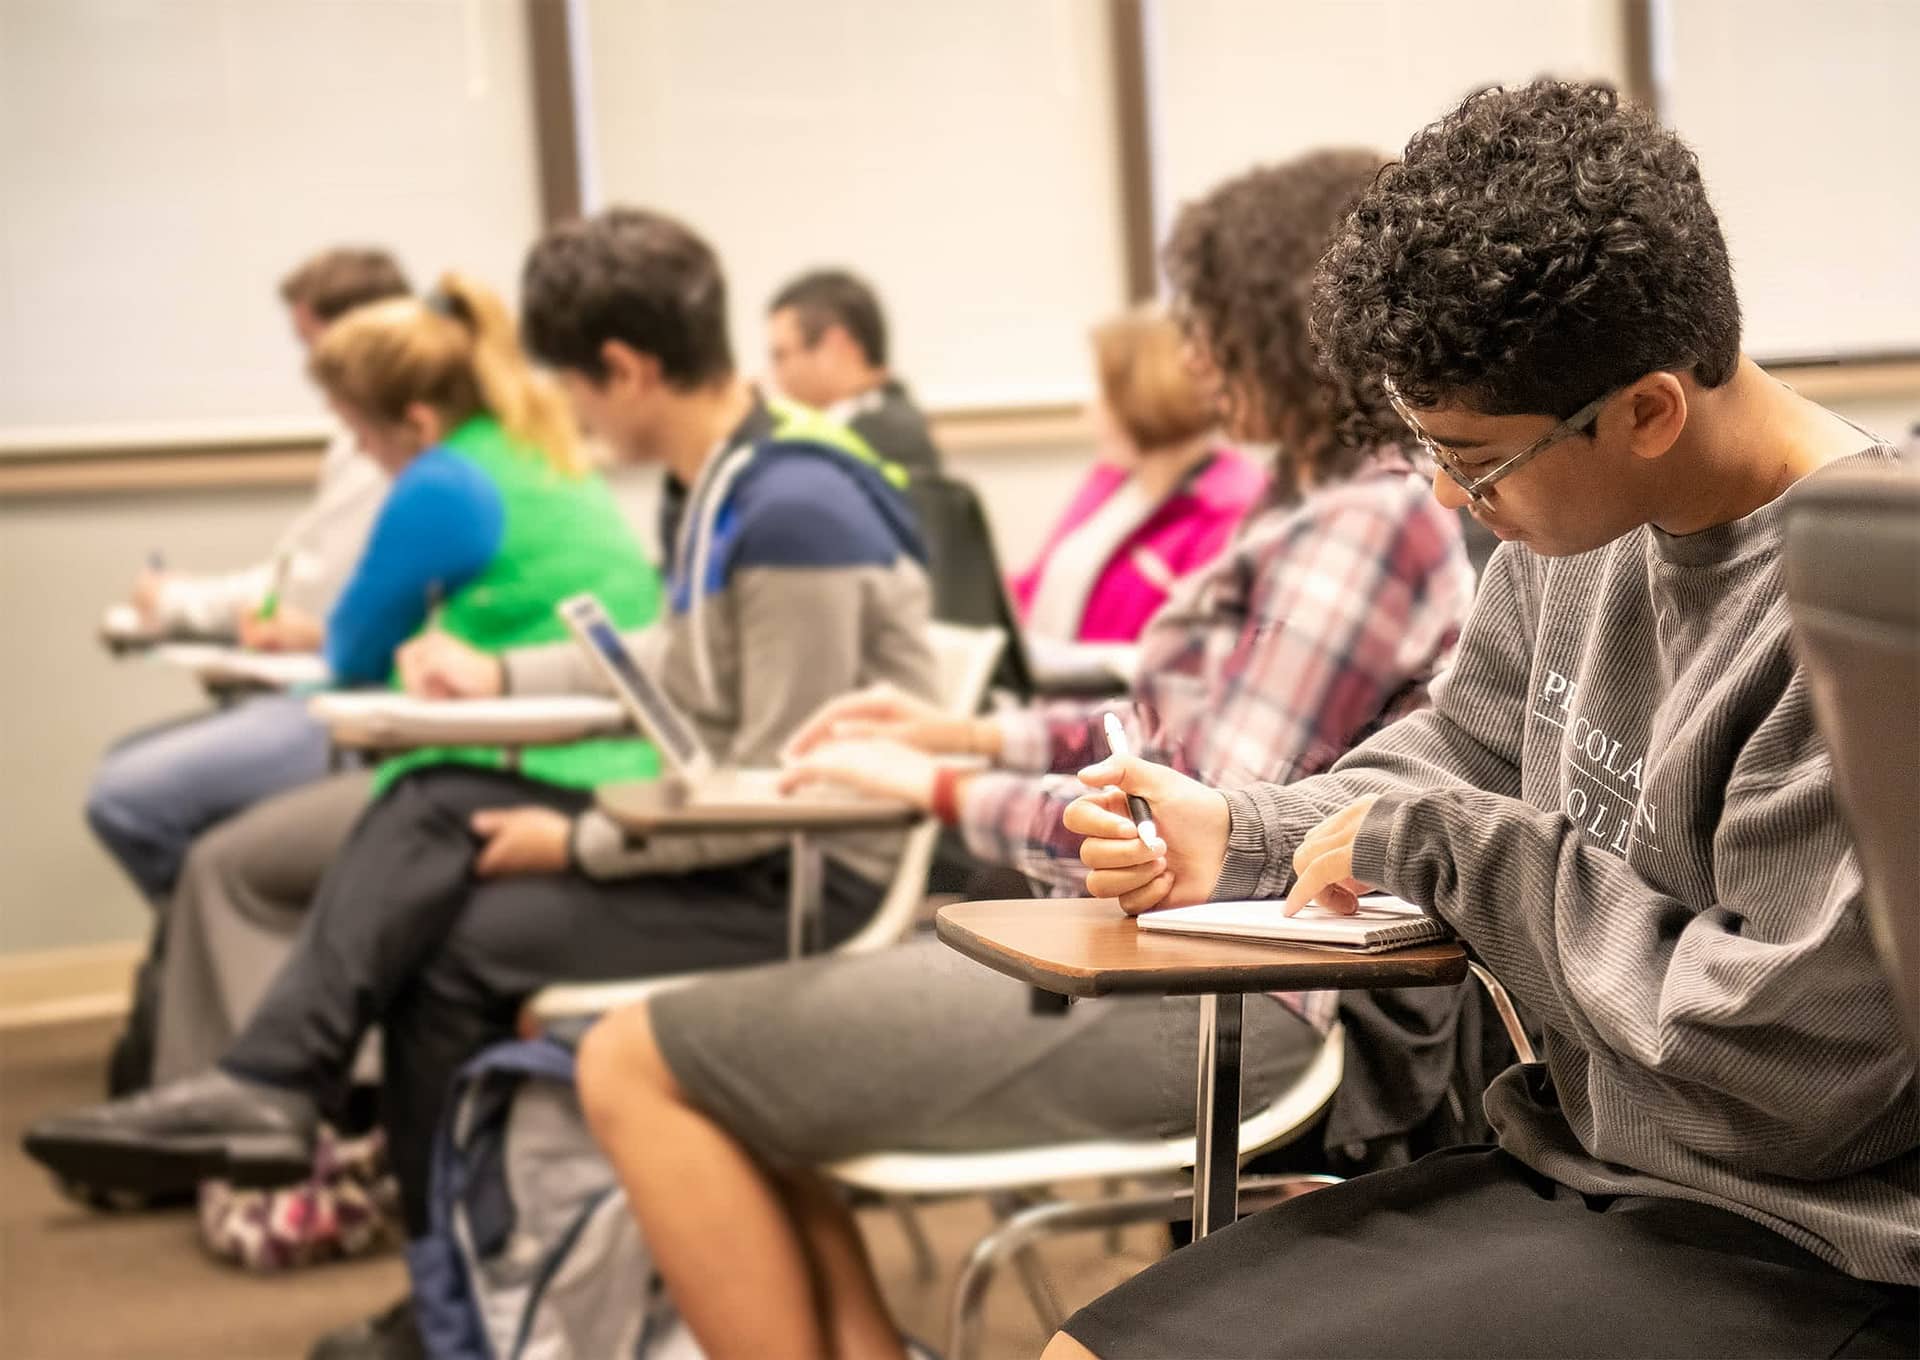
(1019,1183)
(1085,948)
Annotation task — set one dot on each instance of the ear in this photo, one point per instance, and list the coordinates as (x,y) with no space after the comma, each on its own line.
(428,426)
(1653,412)
(628,371)
(841,344)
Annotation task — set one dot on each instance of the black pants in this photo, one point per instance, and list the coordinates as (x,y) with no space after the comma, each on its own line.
(1467,1252)
(401,935)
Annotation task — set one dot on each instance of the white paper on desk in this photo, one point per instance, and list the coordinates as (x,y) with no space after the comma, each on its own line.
(531,720)
(124,623)
(214,664)
(1383,922)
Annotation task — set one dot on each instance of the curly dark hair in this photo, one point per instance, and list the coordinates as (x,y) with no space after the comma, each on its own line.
(1534,249)
(631,275)
(1241,263)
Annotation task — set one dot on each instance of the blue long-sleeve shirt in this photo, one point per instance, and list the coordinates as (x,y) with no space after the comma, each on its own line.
(440,525)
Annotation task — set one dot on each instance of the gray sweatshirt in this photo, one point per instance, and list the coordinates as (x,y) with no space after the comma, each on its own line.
(1620,802)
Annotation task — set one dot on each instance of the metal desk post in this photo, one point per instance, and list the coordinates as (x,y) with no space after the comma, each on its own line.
(1216,1165)
(805,886)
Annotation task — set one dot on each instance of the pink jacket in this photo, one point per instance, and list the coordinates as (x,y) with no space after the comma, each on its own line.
(1188,530)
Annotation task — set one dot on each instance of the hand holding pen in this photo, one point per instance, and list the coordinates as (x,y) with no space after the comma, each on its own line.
(270,602)
(1131,858)
(1137,807)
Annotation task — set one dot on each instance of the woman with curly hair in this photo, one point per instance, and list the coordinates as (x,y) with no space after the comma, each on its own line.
(1329,615)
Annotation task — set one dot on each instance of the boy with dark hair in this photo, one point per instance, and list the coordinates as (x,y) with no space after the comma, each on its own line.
(1618,799)
(827,345)
(794,575)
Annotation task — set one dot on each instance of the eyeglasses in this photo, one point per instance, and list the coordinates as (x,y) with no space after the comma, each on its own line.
(1580,422)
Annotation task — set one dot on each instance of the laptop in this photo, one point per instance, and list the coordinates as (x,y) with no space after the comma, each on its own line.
(672,732)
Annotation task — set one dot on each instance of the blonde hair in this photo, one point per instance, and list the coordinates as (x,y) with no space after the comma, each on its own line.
(455,350)
(1144,378)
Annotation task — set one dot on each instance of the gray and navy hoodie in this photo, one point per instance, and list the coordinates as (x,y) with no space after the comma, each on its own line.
(796,573)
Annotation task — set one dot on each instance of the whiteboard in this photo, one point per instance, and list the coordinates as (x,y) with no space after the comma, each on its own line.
(960,156)
(1804,117)
(1238,82)
(166,162)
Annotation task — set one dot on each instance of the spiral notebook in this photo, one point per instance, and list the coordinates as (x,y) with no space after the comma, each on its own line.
(1383,922)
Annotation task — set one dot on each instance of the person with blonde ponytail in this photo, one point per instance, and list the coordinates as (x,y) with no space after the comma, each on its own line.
(492,518)
(437,391)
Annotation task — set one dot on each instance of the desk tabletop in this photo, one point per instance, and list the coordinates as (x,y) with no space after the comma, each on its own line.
(1084,946)
(663,806)
(385,721)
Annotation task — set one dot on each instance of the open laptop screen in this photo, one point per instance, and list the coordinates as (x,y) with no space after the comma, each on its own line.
(658,716)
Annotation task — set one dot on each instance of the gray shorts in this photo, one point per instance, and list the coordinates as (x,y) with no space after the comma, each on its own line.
(918,1049)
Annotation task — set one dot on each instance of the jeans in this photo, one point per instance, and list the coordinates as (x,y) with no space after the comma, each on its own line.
(157,791)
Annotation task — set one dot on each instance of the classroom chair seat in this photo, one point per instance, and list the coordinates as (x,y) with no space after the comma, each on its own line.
(1012,1178)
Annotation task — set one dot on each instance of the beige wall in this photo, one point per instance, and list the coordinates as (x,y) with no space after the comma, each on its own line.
(64,700)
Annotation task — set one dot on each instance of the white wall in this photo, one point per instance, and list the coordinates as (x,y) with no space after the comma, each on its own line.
(165,162)
(1804,118)
(1239,82)
(960,155)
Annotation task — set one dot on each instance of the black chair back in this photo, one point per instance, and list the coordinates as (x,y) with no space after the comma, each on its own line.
(1853,580)
(968,586)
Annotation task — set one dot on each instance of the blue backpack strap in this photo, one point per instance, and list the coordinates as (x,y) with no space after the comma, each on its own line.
(473,1175)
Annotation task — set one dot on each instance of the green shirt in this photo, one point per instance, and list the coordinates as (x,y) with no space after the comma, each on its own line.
(564,534)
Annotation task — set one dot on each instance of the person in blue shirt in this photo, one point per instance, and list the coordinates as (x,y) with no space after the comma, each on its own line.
(488,487)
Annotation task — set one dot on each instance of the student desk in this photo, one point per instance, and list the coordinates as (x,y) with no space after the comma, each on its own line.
(1086,947)
(660,809)
(376,723)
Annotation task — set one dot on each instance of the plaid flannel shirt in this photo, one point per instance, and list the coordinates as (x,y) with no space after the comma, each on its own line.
(1324,621)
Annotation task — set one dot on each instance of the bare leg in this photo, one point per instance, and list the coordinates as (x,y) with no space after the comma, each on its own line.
(717,1225)
(1064,1347)
(856,1316)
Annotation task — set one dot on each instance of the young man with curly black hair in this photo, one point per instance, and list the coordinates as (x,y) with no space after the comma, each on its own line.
(1618,799)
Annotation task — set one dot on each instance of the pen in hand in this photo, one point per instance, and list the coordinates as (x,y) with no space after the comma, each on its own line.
(270,602)
(1137,807)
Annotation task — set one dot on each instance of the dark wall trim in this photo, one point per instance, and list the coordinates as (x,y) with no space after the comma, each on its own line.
(1127,25)
(556,134)
(1638,82)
